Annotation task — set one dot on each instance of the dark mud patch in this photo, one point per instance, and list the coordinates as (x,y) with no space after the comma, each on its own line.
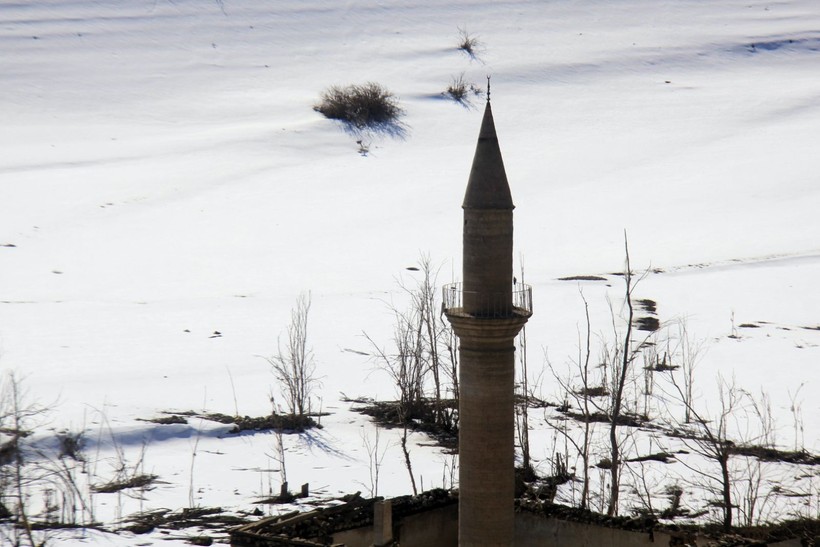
(117,485)
(647,324)
(597,391)
(629,420)
(169,420)
(284,423)
(582,278)
(762,453)
(663,367)
(663,457)
(766,454)
(647,304)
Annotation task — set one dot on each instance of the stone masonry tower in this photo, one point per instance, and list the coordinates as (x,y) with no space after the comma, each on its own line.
(486,311)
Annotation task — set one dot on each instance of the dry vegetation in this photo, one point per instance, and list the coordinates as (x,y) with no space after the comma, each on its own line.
(365,106)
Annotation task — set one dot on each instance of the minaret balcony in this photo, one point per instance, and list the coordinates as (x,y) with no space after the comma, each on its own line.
(457,302)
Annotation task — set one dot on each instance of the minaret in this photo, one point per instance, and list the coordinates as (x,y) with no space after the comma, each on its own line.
(486,311)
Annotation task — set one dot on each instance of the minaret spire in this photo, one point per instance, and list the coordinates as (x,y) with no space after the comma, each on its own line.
(487,187)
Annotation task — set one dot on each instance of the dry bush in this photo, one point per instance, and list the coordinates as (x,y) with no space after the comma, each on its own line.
(366,106)
(460,90)
(293,364)
(468,43)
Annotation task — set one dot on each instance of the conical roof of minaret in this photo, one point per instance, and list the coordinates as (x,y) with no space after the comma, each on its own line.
(488,187)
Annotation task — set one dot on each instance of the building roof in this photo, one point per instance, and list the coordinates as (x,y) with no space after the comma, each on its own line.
(488,187)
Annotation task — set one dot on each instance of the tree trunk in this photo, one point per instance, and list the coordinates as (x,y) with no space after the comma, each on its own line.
(727,491)
(612,508)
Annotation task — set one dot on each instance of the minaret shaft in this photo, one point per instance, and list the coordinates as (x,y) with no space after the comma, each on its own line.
(487,261)
(486,449)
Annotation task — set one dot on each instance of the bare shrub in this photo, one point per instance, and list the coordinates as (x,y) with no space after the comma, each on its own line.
(709,437)
(457,90)
(468,43)
(424,349)
(406,366)
(365,106)
(18,416)
(689,352)
(578,390)
(293,365)
(796,410)
(375,458)
(620,360)
(615,384)
(460,90)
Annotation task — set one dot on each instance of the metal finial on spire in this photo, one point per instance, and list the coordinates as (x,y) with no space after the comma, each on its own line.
(488,88)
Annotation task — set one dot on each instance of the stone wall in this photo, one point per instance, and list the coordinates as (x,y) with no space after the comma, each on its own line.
(439,528)
(435,524)
(433,528)
(540,531)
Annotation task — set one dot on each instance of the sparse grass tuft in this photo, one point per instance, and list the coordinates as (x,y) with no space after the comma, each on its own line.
(468,43)
(460,90)
(366,106)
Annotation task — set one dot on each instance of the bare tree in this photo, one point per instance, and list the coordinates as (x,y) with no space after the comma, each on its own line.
(522,409)
(584,357)
(375,457)
(436,343)
(650,365)
(580,388)
(405,365)
(424,349)
(522,423)
(408,367)
(17,417)
(449,472)
(796,409)
(293,365)
(614,395)
(407,463)
(644,486)
(687,356)
(621,358)
(754,492)
(709,437)
(279,454)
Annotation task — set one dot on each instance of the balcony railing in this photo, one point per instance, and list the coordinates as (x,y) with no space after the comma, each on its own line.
(456,301)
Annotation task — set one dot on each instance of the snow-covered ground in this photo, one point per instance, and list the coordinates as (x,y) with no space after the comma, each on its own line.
(163,176)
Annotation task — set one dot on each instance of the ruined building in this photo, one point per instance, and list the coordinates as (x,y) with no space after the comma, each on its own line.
(487,309)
